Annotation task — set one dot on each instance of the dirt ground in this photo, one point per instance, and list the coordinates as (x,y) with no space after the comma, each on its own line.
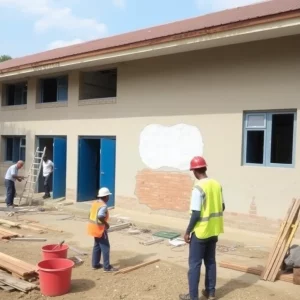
(160,281)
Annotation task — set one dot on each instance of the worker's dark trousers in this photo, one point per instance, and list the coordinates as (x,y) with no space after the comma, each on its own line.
(199,251)
(101,246)
(47,185)
(10,192)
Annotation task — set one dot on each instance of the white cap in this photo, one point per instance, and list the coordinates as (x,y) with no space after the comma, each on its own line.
(104,192)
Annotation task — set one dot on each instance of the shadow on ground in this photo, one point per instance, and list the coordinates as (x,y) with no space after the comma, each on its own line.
(242,282)
(132,261)
(82,285)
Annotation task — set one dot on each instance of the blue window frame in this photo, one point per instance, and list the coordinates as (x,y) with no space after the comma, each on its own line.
(15,148)
(269,138)
(54,89)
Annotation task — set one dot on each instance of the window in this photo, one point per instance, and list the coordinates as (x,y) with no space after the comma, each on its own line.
(54,89)
(269,138)
(100,84)
(15,94)
(15,148)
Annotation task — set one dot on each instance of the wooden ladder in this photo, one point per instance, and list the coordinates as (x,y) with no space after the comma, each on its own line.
(33,176)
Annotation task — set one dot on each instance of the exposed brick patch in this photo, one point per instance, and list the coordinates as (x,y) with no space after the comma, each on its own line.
(164,190)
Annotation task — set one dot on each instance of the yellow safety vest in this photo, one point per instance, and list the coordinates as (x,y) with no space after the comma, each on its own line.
(95,227)
(211,214)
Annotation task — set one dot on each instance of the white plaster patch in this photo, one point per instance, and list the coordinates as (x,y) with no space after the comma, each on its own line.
(170,146)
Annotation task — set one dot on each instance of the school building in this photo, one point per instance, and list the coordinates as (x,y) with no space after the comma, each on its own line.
(130,111)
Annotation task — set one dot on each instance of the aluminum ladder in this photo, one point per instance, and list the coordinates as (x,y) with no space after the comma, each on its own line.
(33,176)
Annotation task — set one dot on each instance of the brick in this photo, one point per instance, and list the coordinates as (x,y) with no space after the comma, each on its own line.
(164,190)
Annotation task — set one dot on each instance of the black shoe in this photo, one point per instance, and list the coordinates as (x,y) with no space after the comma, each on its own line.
(47,196)
(100,266)
(111,270)
(209,296)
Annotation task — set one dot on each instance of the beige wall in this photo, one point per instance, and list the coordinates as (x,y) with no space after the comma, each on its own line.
(209,89)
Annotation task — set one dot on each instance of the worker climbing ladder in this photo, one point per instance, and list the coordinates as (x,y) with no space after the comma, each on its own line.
(33,176)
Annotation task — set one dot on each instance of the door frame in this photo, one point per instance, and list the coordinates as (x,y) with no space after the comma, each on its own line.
(89,137)
(46,136)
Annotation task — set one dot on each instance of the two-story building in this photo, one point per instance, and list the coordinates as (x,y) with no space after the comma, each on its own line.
(130,111)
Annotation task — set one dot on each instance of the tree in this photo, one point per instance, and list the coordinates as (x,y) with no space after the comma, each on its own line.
(4,58)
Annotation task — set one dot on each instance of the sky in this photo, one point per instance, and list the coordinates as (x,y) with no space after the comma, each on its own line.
(31,26)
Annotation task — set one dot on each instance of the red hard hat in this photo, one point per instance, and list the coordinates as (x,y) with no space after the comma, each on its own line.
(197,162)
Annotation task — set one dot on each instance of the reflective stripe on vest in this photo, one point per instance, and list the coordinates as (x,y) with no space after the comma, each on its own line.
(211,214)
(95,227)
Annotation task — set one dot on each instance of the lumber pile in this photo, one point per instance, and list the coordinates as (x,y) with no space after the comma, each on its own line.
(255,271)
(283,242)
(272,270)
(18,268)
(9,283)
(7,234)
(18,274)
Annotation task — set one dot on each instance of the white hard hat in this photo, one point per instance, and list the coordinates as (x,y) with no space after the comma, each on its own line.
(104,192)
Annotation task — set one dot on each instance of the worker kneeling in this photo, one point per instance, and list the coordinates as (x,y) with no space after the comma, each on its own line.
(97,228)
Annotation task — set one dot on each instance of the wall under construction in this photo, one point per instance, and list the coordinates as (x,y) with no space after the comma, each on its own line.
(205,93)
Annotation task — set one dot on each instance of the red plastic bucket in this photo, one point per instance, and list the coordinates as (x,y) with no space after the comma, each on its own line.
(49,252)
(55,276)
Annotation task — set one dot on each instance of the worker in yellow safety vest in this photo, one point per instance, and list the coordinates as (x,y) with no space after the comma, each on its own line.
(97,228)
(206,224)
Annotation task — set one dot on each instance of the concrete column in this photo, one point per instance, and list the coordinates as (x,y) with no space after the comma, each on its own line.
(72,167)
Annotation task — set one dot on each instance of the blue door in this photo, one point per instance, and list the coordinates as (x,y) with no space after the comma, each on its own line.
(60,167)
(87,170)
(108,167)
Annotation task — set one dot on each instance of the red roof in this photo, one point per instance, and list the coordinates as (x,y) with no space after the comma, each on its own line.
(246,13)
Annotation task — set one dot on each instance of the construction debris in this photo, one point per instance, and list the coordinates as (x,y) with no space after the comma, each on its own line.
(272,270)
(119,227)
(18,267)
(177,242)
(283,242)
(28,239)
(130,269)
(7,234)
(167,235)
(79,252)
(77,260)
(10,283)
(255,271)
(152,241)
(9,223)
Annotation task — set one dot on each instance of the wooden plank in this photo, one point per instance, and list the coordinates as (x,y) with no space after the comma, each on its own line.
(266,270)
(130,269)
(46,227)
(5,234)
(39,230)
(9,223)
(16,283)
(282,239)
(285,247)
(254,270)
(6,288)
(25,239)
(15,265)
(283,242)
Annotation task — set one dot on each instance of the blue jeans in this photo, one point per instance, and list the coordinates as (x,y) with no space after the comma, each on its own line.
(10,192)
(101,246)
(200,250)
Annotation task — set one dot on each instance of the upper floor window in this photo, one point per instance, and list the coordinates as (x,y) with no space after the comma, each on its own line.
(269,138)
(15,94)
(98,84)
(15,148)
(54,89)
